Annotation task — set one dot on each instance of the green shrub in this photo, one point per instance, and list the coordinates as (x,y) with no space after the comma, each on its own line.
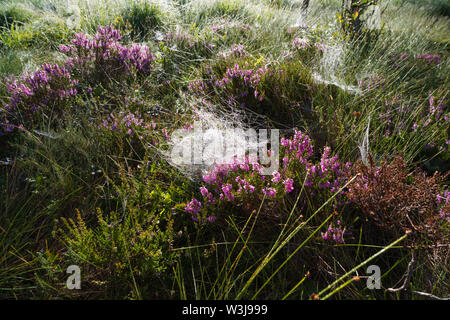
(128,251)
(17,36)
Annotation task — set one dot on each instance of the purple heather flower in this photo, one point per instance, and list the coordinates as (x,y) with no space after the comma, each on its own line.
(269,192)
(193,206)
(227,188)
(276,176)
(335,234)
(204,191)
(289,185)
(299,43)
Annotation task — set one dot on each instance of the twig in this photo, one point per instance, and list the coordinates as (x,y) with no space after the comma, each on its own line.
(432,246)
(429,295)
(408,274)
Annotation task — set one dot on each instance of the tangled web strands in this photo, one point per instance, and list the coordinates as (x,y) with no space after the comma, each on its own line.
(208,116)
(364,146)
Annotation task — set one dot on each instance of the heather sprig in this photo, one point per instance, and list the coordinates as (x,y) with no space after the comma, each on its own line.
(128,123)
(334,233)
(443,202)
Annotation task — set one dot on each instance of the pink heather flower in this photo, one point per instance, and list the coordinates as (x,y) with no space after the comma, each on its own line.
(269,192)
(210,178)
(244,185)
(166,136)
(193,206)
(288,185)
(227,188)
(204,191)
(335,234)
(285,161)
(244,166)
(445,196)
(188,126)
(300,43)
(276,176)
(325,236)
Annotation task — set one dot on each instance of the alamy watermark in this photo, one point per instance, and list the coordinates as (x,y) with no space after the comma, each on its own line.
(74,280)
(374,280)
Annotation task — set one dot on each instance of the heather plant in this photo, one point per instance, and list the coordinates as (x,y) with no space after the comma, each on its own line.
(134,132)
(127,123)
(48,89)
(416,67)
(398,201)
(242,184)
(52,88)
(395,121)
(144,17)
(121,248)
(103,58)
(247,83)
(398,120)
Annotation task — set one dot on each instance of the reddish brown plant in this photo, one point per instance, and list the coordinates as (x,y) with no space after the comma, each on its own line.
(399,200)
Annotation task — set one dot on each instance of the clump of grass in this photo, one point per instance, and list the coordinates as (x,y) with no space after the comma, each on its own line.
(200,12)
(143,17)
(14,14)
